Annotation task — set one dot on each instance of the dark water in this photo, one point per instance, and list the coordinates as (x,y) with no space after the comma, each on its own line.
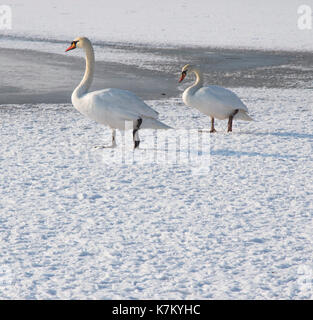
(36,77)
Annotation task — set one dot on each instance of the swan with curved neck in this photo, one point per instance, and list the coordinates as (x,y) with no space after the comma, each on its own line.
(214,101)
(111,107)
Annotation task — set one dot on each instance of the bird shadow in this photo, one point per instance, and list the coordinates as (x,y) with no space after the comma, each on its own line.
(231,153)
(280,134)
(294,135)
(225,152)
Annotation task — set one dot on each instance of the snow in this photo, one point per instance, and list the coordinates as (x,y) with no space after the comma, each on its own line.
(76,223)
(271,25)
(232,222)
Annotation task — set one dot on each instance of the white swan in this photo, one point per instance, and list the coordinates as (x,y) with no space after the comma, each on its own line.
(111,107)
(214,101)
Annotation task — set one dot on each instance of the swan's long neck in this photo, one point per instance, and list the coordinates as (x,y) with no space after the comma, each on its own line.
(197,85)
(85,84)
(199,79)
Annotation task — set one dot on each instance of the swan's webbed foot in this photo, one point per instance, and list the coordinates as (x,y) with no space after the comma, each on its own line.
(136,144)
(213,130)
(106,147)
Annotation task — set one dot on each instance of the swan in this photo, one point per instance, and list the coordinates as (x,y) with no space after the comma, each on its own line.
(111,107)
(214,101)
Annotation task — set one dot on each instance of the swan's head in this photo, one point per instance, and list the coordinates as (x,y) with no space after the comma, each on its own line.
(184,71)
(187,68)
(80,42)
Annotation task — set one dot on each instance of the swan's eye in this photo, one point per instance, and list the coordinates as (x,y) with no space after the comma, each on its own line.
(184,72)
(72,46)
(74,43)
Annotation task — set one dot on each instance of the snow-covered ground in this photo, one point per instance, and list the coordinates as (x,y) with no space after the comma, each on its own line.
(76,223)
(233,222)
(263,24)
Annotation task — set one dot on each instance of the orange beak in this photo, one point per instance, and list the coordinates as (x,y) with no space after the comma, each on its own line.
(182,77)
(71,47)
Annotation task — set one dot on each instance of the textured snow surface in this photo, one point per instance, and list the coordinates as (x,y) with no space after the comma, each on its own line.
(263,24)
(76,224)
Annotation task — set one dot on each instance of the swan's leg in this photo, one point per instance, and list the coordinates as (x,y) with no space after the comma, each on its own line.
(113,141)
(113,138)
(230,121)
(230,124)
(136,135)
(212,125)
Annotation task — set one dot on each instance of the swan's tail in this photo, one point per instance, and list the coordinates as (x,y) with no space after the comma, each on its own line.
(243,115)
(149,123)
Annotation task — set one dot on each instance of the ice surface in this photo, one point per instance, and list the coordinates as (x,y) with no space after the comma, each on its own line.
(263,24)
(76,224)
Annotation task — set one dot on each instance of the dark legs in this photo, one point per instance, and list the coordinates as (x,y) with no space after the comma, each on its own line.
(230,121)
(136,135)
(113,138)
(113,141)
(212,125)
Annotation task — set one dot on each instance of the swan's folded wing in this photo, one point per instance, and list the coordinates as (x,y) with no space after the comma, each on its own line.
(222,96)
(123,103)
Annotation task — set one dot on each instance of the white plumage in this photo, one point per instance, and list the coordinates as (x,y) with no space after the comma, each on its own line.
(214,101)
(111,107)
